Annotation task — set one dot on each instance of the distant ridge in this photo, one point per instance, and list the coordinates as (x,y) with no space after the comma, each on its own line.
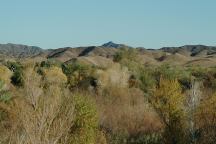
(192,50)
(185,55)
(19,51)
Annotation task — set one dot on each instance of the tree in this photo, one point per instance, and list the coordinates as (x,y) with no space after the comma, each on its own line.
(168,102)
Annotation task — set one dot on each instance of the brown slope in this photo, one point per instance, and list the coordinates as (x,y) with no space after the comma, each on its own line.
(65,54)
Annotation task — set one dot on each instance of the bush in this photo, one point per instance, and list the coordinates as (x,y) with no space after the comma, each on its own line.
(18,76)
(205,121)
(148,138)
(84,130)
(147,81)
(76,73)
(54,76)
(128,58)
(5,74)
(50,63)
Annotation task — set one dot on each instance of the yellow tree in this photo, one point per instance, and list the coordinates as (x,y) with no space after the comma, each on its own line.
(168,102)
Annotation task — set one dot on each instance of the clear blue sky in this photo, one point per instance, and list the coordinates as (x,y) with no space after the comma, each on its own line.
(147,23)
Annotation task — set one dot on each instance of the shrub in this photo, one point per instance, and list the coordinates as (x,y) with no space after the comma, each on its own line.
(5,74)
(146,138)
(128,58)
(54,76)
(205,121)
(168,102)
(147,81)
(18,76)
(50,63)
(84,130)
(76,73)
(118,57)
(166,71)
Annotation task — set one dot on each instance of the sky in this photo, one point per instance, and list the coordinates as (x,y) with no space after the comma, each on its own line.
(146,23)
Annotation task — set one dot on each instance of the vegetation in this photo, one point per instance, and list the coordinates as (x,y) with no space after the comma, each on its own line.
(50,102)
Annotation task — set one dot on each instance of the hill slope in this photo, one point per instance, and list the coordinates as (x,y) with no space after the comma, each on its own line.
(19,51)
(183,56)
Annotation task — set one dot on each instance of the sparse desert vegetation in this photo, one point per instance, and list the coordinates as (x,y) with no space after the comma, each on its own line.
(124,102)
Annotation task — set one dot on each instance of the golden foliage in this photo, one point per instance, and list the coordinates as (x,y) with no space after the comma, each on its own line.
(168,102)
(168,98)
(54,75)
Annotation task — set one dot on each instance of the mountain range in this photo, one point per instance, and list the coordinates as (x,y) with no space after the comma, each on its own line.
(102,55)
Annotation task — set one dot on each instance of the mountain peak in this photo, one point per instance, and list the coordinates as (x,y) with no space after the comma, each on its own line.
(112,44)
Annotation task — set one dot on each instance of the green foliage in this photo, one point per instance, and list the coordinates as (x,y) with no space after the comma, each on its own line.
(76,73)
(129,58)
(4,94)
(149,138)
(40,67)
(147,80)
(166,71)
(85,126)
(198,72)
(124,53)
(14,66)
(5,97)
(118,57)
(50,63)
(119,137)
(18,76)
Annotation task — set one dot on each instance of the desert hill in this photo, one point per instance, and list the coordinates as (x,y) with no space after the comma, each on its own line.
(103,55)
(19,51)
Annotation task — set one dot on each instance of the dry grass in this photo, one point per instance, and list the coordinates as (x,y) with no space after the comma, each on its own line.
(127,110)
